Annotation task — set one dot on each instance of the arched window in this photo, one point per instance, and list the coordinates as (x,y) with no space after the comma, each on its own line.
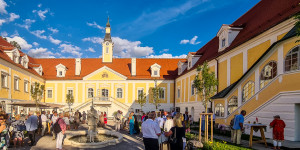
(232,104)
(292,60)
(248,91)
(119,93)
(219,110)
(268,73)
(90,92)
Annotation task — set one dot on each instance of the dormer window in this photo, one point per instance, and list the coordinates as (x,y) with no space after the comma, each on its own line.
(223,42)
(24,61)
(226,35)
(155,70)
(61,70)
(192,58)
(39,69)
(180,69)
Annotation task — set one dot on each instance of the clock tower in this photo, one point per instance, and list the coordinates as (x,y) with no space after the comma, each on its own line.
(107,45)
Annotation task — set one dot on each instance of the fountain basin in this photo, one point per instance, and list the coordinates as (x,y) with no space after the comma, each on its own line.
(105,138)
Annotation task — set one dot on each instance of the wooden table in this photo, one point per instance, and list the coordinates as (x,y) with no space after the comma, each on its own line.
(259,127)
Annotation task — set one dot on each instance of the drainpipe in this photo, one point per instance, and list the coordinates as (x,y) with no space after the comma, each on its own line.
(211,104)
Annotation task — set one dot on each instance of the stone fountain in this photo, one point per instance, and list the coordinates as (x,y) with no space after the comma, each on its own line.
(93,137)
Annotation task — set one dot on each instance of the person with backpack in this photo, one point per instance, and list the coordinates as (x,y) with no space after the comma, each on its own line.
(31,126)
(18,131)
(53,120)
(60,128)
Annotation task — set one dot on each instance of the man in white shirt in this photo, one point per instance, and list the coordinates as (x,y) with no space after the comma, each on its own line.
(44,122)
(168,124)
(151,131)
(159,121)
(53,120)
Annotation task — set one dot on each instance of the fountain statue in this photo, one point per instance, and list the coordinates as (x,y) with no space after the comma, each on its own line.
(92,123)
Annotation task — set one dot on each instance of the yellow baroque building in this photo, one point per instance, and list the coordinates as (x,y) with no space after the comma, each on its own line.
(256,60)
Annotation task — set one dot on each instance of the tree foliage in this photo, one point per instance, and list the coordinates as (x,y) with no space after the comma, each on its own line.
(155,95)
(206,83)
(142,99)
(14,43)
(70,100)
(37,92)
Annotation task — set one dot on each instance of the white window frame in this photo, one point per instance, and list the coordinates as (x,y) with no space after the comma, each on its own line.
(49,96)
(119,91)
(92,93)
(107,50)
(70,89)
(193,90)
(5,75)
(26,86)
(16,83)
(106,92)
(139,89)
(164,91)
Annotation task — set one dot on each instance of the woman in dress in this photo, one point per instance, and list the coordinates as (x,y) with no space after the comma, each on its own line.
(17,134)
(105,119)
(278,126)
(3,132)
(178,132)
(131,123)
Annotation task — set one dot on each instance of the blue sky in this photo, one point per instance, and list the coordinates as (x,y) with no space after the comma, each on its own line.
(140,28)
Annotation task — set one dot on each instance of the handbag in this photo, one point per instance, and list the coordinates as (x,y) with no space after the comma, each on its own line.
(174,139)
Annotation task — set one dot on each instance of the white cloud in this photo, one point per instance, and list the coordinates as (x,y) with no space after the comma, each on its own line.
(53,30)
(95,40)
(192,41)
(4,34)
(22,42)
(69,48)
(27,23)
(2,21)
(42,53)
(165,55)
(2,7)
(184,41)
(95,25)
(164,50)
(124,48)
(35,44)
(13,16)
(39,5)
(54,41)
(90,49)
(38,33)
(41,13)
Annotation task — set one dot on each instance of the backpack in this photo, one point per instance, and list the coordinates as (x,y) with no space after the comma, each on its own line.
(56,126)
(21,127)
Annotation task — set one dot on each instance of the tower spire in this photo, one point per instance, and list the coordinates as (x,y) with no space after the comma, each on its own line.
(107,24)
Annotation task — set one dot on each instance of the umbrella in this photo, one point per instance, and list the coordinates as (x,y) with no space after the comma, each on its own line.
(51,105)
(29,104)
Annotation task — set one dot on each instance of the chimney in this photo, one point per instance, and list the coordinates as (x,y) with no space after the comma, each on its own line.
(133,66)
(77,66)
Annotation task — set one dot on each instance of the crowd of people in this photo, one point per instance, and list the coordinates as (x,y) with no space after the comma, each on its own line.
(14,127)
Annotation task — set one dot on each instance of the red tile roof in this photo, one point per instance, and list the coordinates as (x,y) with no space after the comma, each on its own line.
(263,16)
(4,45)
(121,65)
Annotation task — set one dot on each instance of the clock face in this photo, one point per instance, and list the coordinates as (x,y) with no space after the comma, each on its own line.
(107,43)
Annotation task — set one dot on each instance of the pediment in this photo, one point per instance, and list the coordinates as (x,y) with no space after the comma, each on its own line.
(105,73)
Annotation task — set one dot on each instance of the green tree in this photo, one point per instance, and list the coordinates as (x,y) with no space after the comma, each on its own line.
(14,43)
(37,92)
(155,95)
(70,100)
(206,84)
(142,99)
